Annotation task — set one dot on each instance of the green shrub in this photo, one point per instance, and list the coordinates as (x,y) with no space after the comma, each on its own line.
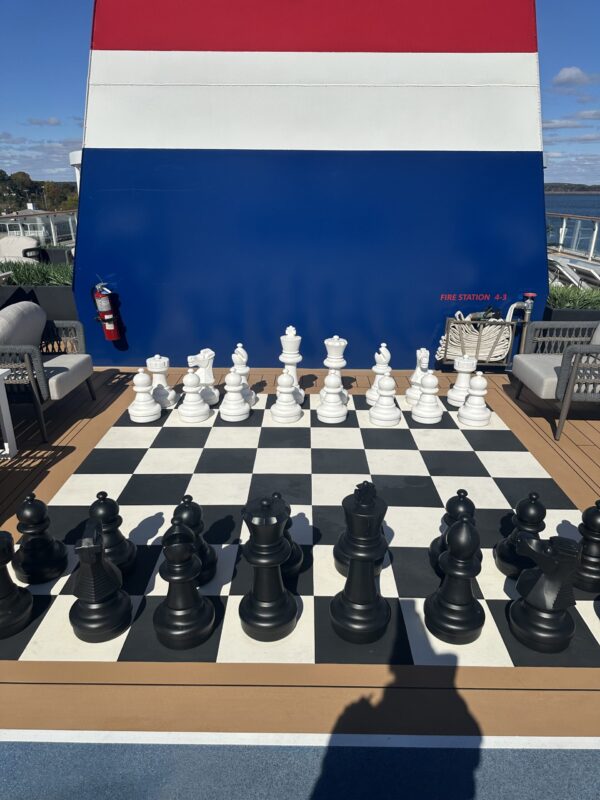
(573,297)
(33,274)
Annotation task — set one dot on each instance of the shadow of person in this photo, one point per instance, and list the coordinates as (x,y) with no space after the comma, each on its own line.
(365,759)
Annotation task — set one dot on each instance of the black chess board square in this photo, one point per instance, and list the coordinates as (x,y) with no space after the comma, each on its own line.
(141,643)
(582,652)
(407,490)
(392,648)
(227,459)
(296,489)
(181,437)
(454,462)
(222,524)
(493,524)
(284,437)
(328,524)
(125,421)
(494,440)
(67,522)
(360,402)
(255,420)
(12,648)
(272,399)
(388,439)
(137,580)
(343,461)
(157,489)
(351,421)
(414,574)
(447,422)
(111,461)
(551,495)
(301,584)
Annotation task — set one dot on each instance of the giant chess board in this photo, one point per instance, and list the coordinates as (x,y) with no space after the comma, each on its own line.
(416,468)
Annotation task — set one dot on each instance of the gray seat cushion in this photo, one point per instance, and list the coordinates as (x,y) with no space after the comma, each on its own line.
(596,336)
(22,323)
(66,372)
(538,372)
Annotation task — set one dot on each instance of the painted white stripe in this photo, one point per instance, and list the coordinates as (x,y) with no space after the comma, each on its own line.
(302,740)
(131,67)
(434,118)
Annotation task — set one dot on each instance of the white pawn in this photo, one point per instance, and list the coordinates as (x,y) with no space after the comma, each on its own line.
(414,392)
(240,365)
(332,408)
(144,408)
(164,395)
(335,361)
(286,408)
(382,362)
(290,357)
(385,412)
(193,408)
(474,412)
(234,408)
(428,409)
(464,366)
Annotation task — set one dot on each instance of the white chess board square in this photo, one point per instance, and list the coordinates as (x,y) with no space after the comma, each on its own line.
(219,585)
(297,648)
(413,526)
(440,439)
(224,489)
(336,438)
(302,524)
(330,490)
(365,422)
(303,422)
(239,437)
(169,461)
(562,523)
(126,437)
(145,524)
(261,402)
(493,584)
(50,587)
(487,651)
(81,490)
(327,581)
(175,421)
(396,462)
(483,491)
(589,610)
(505,464)
(283,461)
(495,423)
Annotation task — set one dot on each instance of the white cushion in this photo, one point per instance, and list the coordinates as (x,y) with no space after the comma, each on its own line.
(22,323)
(596,336)
(12,246)
(539,372)
(66,372)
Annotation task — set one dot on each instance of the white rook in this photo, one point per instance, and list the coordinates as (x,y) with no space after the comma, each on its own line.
(464,366)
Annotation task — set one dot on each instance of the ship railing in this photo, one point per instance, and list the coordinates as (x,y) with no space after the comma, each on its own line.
(574,235)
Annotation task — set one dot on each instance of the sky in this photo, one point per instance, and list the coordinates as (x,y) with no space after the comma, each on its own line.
(44,59)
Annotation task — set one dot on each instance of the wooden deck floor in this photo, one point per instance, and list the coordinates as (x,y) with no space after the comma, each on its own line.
(76,424)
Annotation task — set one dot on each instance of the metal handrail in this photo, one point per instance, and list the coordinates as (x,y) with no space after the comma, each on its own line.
(581,230)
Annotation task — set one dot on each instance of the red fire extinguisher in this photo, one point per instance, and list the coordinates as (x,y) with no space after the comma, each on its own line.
(107,315)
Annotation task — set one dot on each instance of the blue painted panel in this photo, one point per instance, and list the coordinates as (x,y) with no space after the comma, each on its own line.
(208,248)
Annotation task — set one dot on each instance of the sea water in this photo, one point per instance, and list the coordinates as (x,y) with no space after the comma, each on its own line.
(582,205)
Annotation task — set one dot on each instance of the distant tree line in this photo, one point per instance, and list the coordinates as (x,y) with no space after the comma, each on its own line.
(571,187)
(18,189)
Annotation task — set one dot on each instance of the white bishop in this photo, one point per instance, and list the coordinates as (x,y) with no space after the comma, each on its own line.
(380,367)
(413,393)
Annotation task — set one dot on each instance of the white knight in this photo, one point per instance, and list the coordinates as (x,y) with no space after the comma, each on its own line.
(204,363)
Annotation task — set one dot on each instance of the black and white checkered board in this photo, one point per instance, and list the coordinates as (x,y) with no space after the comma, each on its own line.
(416,468)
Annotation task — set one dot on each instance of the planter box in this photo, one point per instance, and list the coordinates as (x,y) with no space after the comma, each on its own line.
(57,301)
(571,314)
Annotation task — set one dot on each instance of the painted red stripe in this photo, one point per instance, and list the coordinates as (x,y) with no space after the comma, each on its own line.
(455,26)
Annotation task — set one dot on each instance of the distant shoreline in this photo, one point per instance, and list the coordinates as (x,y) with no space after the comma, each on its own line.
(566,191)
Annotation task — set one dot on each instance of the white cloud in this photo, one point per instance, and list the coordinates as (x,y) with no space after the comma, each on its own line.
(572,167)
(591,114)
(43,158)
(51,122)
(565,122)
(573,76)
(584,138)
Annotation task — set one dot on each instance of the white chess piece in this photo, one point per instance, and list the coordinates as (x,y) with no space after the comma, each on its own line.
(335,362)
(474,412)
(290,356)
(382,362)
(428,409)
(286,408)
(144,408)
(204,361)
(240,365)
(413,393)
(332,408)
(164,395)
(385,413)
(234,408)
(464,366)
(193,408)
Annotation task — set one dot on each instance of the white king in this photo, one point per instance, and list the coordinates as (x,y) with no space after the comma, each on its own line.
(290,357)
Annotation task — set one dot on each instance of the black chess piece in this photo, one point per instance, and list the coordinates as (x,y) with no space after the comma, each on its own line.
(117,548)
(190,514)
(540,618)
(587,576)
(452,613)
(457,507)
(40,557)
(529,519)
(16,603)
(358,613)
(364,512)
(292,566)
(185,618)
(268,611)
(102,610)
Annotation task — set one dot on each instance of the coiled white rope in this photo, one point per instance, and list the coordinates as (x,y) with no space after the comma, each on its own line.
(489,339)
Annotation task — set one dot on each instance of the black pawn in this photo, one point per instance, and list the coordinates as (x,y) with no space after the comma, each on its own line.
(587,576)
(528,519)
(457,507)
(359,614)
(452,613)
(102,610)
(268,611)
(16,603)
(117,548)
(185,618)
(540,618)
(40,558)
(190,514)
(293,565)
(364,513)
